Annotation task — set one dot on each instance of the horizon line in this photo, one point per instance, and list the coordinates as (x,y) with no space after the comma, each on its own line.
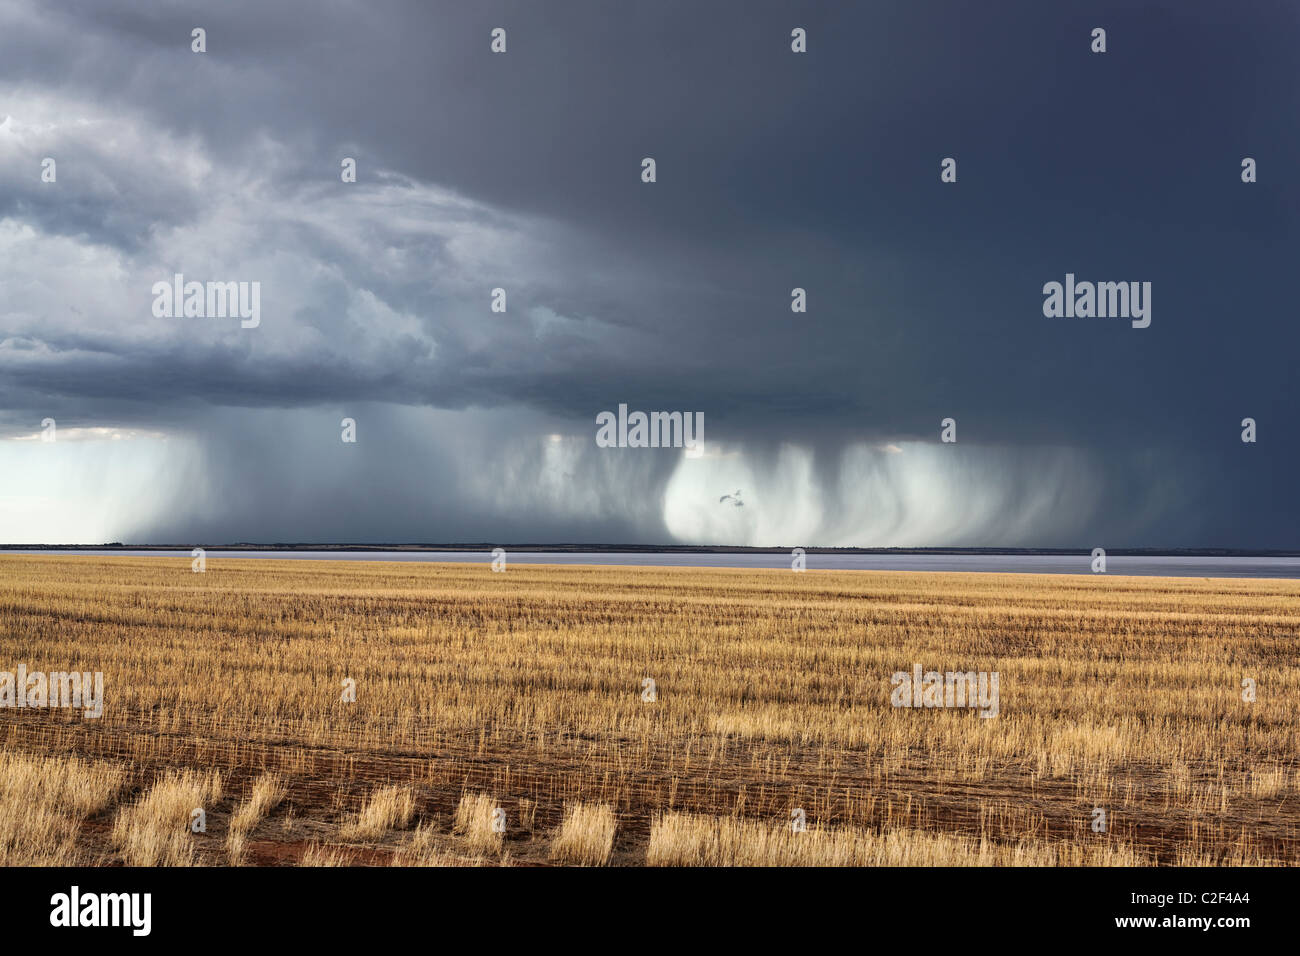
(611,548)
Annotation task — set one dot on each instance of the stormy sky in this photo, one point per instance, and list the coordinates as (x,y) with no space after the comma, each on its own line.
(522,170)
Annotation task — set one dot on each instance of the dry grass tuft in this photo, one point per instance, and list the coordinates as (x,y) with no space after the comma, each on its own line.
(586,837)
(43,802)
(268,790)
(474,821)
(421,849)
(318,855)
(388,808)
(155,831)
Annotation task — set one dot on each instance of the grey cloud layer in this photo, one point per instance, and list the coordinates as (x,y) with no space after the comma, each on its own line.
(775,171)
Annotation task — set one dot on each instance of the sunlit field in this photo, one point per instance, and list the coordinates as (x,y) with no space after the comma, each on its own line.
(644,716)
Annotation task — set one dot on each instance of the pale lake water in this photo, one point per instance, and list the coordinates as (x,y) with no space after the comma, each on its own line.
(1173,566)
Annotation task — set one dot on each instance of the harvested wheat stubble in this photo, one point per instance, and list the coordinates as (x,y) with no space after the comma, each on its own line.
(773,693)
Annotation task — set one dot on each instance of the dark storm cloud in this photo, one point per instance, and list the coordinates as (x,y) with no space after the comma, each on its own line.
(774,171)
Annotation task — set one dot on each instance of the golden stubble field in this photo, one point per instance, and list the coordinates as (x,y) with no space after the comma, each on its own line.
(501,717)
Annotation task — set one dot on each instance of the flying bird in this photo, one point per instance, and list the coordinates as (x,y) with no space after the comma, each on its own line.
(734,499)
